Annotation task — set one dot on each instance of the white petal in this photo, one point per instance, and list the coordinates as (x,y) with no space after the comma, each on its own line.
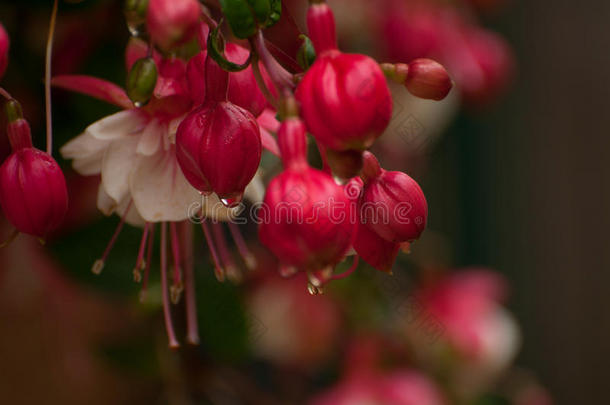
(108,206)
(117,165)
(118,125)
(105,203)
(255,192)
(87,153)
(159,189)
(214,209)
(151,138)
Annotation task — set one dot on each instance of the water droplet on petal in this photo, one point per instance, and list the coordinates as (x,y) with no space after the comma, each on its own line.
(138,104)
(232,202)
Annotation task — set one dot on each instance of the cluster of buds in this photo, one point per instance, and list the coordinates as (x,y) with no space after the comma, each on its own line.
(192,132)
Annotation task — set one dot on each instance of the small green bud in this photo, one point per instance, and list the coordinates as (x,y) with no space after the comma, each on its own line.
(141,81)
(13,110)
(307,54)
(135,14)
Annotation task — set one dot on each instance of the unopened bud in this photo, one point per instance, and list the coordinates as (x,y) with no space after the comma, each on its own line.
(141,81)
(18,129)
(307,54)
(428,79)
(135,15)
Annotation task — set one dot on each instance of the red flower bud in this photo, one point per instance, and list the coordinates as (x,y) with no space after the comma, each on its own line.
(218,145)
(172,22)
(392,203)
(33,192)
(345,100)
(4,45)
(243,89)
(306,222)
(371,247)
(428,79)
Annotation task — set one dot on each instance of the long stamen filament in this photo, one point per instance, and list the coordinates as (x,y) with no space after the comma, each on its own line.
(98,266)
(169,326)
(140,264)
(218,270)
(47,78)
(242,247)
(177,287)
(192,327)
(149,253)
(225,254)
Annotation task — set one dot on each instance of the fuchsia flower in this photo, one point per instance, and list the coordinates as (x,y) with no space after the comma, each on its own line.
(371,247)
(404,210)
(4,46)
(345,99)
(306,225)
(219,144)
(33,192)
(479,338)
(135,152)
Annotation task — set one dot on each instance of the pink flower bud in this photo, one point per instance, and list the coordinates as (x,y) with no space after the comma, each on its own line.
(218,145)
(371,247)
(428,79)
(33,192)
(172,22)
(345,100)
(392,204)
(305,213)
(243,89)
(4,45)
(17,128)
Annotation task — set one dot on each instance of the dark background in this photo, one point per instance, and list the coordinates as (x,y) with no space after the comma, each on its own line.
(535,191)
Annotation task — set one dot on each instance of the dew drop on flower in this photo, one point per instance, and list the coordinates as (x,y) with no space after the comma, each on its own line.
(232,202)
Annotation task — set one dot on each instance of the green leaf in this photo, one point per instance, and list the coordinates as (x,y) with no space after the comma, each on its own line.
(216,51)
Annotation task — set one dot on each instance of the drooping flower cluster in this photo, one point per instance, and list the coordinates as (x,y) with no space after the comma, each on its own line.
(189,139)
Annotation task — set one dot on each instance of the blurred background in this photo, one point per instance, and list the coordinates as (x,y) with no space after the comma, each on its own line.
(513,166)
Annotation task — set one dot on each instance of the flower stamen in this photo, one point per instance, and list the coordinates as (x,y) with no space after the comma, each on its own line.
(242,247)
(218,270)
(98,266)
(140,263)
(177,285)
(225,255)
(169,326)
(192,327)
(149,252)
